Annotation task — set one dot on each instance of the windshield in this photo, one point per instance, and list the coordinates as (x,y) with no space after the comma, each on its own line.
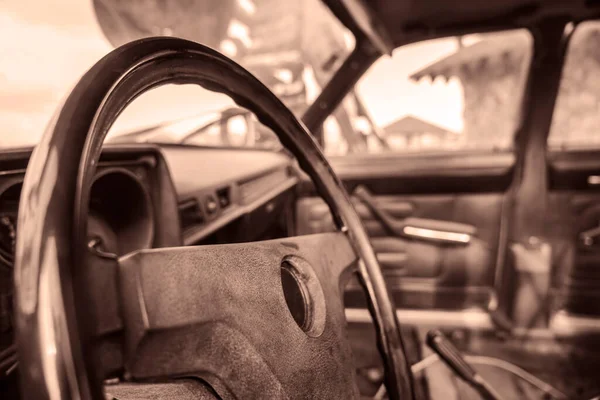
(53,43)
(441,94)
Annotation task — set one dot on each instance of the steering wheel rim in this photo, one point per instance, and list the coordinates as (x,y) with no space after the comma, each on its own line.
(52,341)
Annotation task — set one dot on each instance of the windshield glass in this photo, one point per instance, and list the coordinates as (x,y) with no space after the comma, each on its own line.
(53,43)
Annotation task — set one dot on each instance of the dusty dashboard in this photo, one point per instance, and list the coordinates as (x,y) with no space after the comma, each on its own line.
(149,197)
(132,204)
(146,196)
(131,196)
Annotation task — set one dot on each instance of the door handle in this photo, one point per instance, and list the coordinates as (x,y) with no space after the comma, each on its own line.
(418,228)
(435,235)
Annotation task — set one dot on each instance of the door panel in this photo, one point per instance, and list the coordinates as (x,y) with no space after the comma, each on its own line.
(424,274)
(574,209)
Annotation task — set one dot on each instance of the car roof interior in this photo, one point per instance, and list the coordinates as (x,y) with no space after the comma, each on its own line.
(399,22)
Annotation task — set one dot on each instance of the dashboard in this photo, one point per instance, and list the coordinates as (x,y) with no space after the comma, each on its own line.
(145,196)
(221,187)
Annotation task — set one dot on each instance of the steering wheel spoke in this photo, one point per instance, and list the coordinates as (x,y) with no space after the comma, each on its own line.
(270,313)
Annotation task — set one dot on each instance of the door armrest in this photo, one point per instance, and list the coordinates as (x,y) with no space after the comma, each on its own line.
(438,231)
(431,230)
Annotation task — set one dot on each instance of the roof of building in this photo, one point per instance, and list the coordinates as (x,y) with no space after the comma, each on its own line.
(411,124)
(498,47)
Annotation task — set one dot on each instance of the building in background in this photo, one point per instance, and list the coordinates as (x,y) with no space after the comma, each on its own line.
(412,133)
(491,72)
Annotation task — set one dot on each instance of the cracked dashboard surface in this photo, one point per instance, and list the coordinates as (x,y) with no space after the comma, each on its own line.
(148,197)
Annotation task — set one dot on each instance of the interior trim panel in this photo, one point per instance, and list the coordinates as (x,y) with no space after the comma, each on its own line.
(217,186)
(196,233)
(454,200)
(435,173)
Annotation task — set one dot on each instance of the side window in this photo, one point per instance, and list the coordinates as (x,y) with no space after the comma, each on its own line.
(445,94)
(576,118)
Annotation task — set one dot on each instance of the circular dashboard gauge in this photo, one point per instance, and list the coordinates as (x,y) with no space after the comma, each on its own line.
(9,207)
(8,236)
(120,221)
(121,208)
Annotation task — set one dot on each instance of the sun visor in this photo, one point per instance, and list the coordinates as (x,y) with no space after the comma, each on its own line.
(204,21)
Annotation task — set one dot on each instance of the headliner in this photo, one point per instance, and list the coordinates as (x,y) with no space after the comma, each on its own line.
(405,21)
(388,23)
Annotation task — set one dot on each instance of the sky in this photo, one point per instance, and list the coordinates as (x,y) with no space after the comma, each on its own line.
(388,99)
(45,46)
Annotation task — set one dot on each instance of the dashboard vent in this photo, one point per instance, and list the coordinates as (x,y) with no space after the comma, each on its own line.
(255,188)
(190,213)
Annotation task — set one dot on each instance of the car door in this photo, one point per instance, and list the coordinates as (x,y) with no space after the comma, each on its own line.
(432,187)
(434,222)
(573,185)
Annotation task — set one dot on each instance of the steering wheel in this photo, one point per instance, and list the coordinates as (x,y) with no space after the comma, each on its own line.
(218,313)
